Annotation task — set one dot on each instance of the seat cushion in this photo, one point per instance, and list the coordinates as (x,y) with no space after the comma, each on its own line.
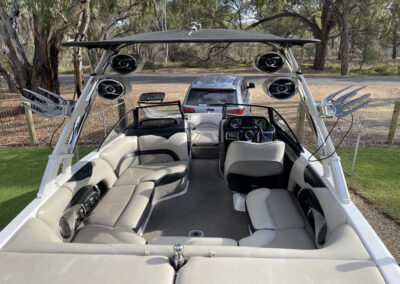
(123,206)
(238,270)
(43,268)
(296,238)
(97,234)
(205,137)
(193,241)
(157,173)
(272,209)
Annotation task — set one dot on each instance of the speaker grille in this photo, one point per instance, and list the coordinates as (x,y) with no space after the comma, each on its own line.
(110,89)
(280,88)
(124,63)
(269,62)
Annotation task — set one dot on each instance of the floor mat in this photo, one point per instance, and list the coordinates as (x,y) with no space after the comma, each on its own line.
(207,206)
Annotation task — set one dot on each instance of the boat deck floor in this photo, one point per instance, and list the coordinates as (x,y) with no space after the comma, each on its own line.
(206,206)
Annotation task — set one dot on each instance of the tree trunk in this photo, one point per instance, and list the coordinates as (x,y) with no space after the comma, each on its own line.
(20,66)
(12,85)
(394,50)
(344,54)
(80,33)
(43,74)
(94,57)
(165,28)
(320,55)
(340,50)
(321,50)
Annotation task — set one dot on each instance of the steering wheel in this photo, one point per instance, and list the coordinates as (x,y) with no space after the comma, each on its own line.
(250,134)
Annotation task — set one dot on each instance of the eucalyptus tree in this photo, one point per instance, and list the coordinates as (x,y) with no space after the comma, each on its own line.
(316,15)
(394,8)
(49,20)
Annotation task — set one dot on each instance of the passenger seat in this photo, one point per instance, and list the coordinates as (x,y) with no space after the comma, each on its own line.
(204,128)
(275,221)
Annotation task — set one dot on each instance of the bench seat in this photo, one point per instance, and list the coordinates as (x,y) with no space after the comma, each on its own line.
(261,270)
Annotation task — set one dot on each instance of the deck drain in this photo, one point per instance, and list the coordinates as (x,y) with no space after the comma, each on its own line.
(196,234)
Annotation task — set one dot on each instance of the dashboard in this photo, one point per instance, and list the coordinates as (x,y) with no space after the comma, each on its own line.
(255,129)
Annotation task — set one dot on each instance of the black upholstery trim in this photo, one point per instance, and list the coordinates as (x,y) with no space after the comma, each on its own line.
(171,153)
(245,184)
(308,200)
(123,158)
(165,132)
(145,213)
(249,219)
(84,172)
(312,178)
(170,178)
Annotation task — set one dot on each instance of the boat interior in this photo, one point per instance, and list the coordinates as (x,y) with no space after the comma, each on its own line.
(237,192)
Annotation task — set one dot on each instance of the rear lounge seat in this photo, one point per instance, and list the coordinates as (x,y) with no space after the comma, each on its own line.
(148,158)
(84,268)
(140,165)
(124,207)
(234,270)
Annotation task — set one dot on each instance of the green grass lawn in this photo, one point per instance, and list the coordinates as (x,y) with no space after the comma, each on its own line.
(376,177)
(21,170)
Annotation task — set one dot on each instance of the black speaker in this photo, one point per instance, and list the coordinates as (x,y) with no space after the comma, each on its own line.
(269,62)
(112,89)
(125,63)
(280,88)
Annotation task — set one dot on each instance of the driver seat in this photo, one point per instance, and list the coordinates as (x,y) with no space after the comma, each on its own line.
(248,164)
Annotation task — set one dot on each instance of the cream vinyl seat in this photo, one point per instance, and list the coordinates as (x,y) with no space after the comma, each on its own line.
(118,215)
(236,270)
(204,128)
(272,209)
(148,158)
(255,159)
(84,268)
(159,173)
(276,221)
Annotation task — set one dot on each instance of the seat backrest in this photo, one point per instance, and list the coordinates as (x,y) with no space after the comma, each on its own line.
(205,120)
(121,154)
(158,149)
(255,159)
(94,172)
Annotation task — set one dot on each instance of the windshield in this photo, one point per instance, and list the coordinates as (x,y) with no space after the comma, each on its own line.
(159,110)
(274,117)
(197,97)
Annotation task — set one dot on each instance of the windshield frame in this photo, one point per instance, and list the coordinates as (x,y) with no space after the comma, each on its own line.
(271,111)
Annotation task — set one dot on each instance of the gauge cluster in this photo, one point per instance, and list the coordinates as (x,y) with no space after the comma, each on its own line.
(248,128)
